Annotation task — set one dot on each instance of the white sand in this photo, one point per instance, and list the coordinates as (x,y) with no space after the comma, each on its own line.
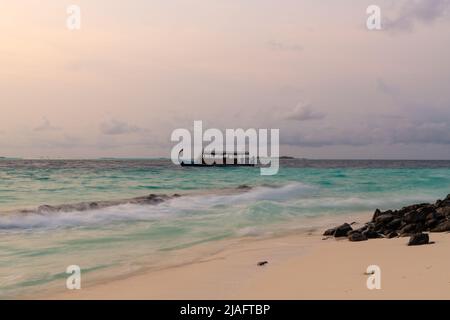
(300,267)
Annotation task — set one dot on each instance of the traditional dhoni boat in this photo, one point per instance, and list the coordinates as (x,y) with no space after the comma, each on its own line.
(220,159)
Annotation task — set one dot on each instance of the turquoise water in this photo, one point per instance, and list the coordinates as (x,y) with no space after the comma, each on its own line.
(36,247)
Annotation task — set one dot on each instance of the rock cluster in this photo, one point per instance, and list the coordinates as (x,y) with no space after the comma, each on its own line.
(409,221)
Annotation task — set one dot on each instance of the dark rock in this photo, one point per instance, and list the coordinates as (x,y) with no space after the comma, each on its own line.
(413,207)
(371,234)
(418,215)
(329,232)
(420,227)
(411,220)
(370,225)
(376,214)
(443,203)
(384,218)
(380,228)
(394,224)
(443,211)
(431,223)
(396,214)
(392,235)
(93,205)
(262,263)
(419,239)
(442,227)
(435,215)
(343,230)
(409,228)
(153,198)
(428,210)
(244,187)
(47,208)
(359,230)
(150,199)
(356,236)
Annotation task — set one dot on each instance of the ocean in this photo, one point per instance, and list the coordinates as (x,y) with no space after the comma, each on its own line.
(91,221)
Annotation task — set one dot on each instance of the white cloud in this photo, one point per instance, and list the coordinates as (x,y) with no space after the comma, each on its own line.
(304,112)
(413,12)
(46,126)
(115,127)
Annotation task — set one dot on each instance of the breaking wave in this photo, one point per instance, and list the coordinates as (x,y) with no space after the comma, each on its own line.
(148,208)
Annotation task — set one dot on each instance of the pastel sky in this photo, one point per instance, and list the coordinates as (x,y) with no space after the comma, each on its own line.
(139,69)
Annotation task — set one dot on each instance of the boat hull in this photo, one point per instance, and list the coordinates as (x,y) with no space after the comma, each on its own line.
(216,165)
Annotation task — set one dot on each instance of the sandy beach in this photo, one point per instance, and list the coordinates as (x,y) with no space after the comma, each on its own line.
(299,267)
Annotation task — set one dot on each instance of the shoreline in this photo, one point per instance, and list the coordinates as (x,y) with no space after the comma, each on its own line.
(300,266)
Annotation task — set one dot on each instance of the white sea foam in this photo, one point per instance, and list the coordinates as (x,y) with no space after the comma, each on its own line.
(298,199)
(174,207)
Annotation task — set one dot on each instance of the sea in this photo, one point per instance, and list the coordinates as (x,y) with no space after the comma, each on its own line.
(48,221)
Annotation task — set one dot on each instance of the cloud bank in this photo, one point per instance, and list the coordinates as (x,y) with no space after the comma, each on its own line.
(413,12)
(304,112)
(45,126)
(115,127)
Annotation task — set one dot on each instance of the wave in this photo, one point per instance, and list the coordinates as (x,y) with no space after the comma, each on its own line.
(149,208)
(243,205)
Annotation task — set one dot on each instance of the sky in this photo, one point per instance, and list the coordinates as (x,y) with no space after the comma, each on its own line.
(138,70)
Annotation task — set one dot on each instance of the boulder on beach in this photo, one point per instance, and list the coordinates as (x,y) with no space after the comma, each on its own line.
(418,215)
(392,235)
(409,228)
(343,230)
(443,203)
(356,236)
(419,239)
(340,231)
(444,211)
(329,232)
(394,224)
(442,227)
(371,234)
(384,218)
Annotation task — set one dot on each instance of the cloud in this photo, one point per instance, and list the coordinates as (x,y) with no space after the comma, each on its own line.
(46,126)
(387,89)
(277,45)
(324,137)
(115,127)
(423,133)
(421,121)
(304,112)
(64,141)
(396,132)
(413,12)
(417,110)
